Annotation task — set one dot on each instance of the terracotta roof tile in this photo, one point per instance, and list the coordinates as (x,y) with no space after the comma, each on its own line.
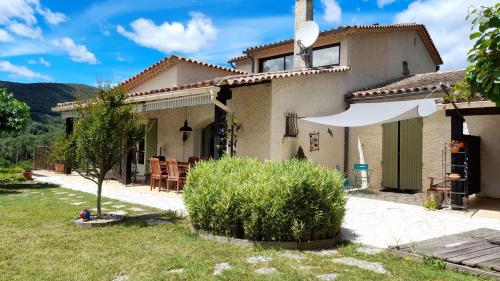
(422,30)
(164,64)
(411,84)
(245,79)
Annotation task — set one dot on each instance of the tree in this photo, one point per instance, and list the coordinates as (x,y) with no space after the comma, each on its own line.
(14,114)
(105,130)
(483,76)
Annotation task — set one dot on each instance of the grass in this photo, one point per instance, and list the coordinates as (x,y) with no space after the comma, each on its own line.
(40,242)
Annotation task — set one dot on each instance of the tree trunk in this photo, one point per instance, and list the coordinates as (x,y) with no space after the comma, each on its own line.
(99,189)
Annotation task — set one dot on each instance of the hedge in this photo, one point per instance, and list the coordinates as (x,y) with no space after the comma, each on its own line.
(292,200)
(11,170)
(11,175)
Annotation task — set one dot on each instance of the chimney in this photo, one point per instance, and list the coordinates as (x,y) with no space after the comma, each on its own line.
(303,13)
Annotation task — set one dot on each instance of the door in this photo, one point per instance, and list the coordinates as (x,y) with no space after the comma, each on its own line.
(402,155)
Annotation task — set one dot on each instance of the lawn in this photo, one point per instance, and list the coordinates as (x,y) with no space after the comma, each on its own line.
(40,242)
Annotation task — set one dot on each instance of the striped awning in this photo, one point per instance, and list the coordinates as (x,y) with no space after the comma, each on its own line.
(173,103)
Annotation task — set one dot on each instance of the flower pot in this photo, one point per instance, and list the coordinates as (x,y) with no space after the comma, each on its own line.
(28,175)
(455,149)
(59,168)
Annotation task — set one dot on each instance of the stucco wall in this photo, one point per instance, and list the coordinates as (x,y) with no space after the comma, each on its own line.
(378,57)
(189,73)
(314,95)
(365,144)
(488,128)
(167,78)
(180,74)
(252,109)
(169,137)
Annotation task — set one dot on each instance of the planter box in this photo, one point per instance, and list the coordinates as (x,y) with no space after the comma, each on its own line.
(306,245)
(59,168)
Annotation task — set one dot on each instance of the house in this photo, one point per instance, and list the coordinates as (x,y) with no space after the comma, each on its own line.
(268,92)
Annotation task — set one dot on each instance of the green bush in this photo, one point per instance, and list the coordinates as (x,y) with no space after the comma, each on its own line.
(11,170)
(11,177)
(288,201)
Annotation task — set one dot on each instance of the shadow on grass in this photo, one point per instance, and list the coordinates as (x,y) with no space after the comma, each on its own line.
(26,185)
(8,192)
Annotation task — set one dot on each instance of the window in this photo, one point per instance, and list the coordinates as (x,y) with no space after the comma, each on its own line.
(322,56)
(277,63)
(325,56)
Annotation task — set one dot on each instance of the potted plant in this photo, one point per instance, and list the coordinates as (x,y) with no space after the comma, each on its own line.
(27,172)
(59,152)
(456,146)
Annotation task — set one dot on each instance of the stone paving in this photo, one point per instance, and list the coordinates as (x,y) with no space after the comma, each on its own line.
(266,270)
(372,266)
(140,195)
(327,277)
(381,223)
(378,223)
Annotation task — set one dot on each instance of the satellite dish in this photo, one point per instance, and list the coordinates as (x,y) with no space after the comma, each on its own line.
(307,34)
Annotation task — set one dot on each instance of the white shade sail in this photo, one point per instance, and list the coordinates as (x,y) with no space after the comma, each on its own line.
(364,114)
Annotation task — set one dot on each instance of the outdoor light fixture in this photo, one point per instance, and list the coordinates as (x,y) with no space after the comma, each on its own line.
(185,129)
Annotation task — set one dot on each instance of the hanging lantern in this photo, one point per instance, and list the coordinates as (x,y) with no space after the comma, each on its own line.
(185,129)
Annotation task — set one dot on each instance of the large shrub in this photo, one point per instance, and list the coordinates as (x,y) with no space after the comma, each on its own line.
(11,175)
(288,201)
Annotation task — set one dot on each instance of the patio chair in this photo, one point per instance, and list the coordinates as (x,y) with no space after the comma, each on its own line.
(156,174)
(362,172)
(192,160)
(174,175)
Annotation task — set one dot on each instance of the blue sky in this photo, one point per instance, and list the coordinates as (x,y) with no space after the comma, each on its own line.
(83,41)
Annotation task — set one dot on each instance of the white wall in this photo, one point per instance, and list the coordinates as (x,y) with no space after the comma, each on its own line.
(166,79)
(488,128)
(169,137)
(313,95)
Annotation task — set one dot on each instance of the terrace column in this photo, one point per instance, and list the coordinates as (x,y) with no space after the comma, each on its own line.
(220,141)
(69,131)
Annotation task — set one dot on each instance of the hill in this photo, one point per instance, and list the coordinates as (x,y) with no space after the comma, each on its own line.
(41,97)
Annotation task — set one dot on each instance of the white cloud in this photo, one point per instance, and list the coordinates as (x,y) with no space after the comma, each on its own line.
(78,53)
(20,17)
(16,70)
(333,12)
(382,3)
(17,9)
(50,17)
(170,37)
(44,62)
(5,36)
(32,62)
(25,30)
(445,21)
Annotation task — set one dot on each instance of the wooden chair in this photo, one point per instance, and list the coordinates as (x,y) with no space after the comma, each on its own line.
(174,175)
(156,174)
(192,160)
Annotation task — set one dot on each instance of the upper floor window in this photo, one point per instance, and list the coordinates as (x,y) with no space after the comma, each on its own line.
(277,63)
(326,56)
(322,56)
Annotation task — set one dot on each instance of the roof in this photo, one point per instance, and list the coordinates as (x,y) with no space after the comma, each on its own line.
(236,80)
(420,28)
(411,84)
(164,64)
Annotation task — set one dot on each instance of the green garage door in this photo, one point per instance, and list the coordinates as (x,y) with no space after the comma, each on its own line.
(402,155)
